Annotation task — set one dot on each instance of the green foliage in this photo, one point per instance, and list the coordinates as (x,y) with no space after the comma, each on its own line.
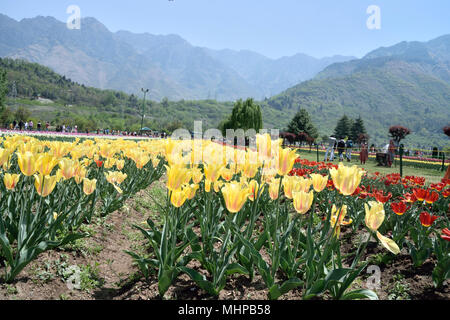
(245,115)
(3,88)
(343,127)
(22,114)
(357,129)
(302,123)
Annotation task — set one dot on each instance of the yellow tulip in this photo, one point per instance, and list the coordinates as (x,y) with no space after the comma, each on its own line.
(338,216)
(254,189)
(120,164)
(286,160)
(58,175)
(178,197)
(264,146)
(27,163)
(89,185)
(319,182)
(374,219)
(109,163)
(212,171)
(177,176)
(274,187)
(115,178)
(44,184)
(45,163)
(11,180)
(207,185)
(217,185)
(374,215)
(288,185)
(141,160)
(227,174)
(67,167)
(197,175)
(302,184)
(249,169)
(346,179)
(155,162)
(191,190)
(80,173)
(235,196)
(302,201)
(388,243)
(4,156)
(269,171)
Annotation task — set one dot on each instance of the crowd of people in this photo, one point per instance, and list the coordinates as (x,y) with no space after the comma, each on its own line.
(29,126)
(343,147)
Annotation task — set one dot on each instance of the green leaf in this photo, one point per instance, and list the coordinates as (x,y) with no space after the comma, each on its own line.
(274,292)
(236,268)
(290,284)
(360,294)
(200,280)
(165,280)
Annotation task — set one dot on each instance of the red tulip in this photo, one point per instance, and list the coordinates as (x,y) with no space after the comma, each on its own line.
(426,219)
(99,163)
(409,197)
(399,207)
(432,197)
(420,194)
(445,234)
(446,193)
(381,197)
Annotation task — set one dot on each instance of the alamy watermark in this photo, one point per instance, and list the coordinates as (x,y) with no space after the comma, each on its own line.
(374,281)
(374,20)
(74,20)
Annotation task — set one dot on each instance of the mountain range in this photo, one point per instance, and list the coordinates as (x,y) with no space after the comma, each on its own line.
(404,84)
(166,64)
(407,84)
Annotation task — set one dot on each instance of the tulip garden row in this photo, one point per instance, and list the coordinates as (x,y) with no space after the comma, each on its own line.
(228,212)
(51,187)
(415,162)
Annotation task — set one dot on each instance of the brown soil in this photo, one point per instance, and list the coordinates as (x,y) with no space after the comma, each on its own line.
(116,277)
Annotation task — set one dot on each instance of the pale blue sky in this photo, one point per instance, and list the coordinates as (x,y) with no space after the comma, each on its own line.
(274,28)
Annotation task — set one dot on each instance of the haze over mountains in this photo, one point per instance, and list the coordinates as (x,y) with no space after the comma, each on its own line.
(407,84)
(167,64)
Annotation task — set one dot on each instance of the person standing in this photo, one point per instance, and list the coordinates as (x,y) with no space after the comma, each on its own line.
(391,153)
(26,125)
(330,148)
(30,125)
(341,149)
(364,153)
(39,126)
(348,152)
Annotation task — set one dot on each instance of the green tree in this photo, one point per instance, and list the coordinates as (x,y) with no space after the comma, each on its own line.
(3,88)
(165,102)
(22,114)
(245,115)
(343,127)
(357,129)
(301,123)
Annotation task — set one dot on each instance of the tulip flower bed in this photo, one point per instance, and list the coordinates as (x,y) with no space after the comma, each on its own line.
(229,217)
(233,216)
(50,188)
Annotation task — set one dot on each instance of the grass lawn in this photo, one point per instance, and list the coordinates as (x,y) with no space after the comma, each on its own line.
(431,176)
